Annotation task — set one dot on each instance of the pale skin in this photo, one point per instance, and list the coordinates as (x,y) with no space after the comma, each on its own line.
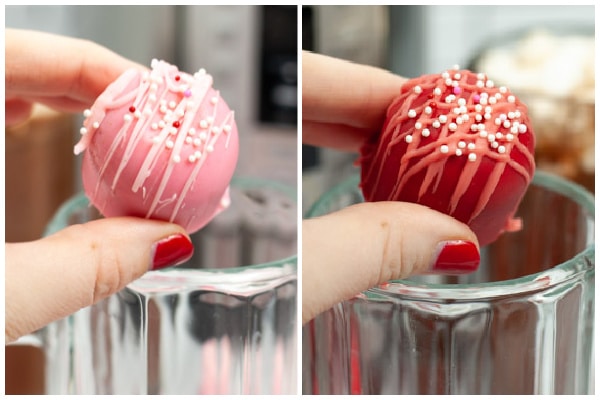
(364,245)
(53,277)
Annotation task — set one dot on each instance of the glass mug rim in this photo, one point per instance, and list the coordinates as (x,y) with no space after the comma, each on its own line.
(272,269)
(479,291)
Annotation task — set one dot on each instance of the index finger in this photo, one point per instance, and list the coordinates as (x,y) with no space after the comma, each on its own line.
(341,92)
(44,64)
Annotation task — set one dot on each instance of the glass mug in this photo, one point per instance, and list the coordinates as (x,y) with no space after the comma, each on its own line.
(522,324)
(222,323)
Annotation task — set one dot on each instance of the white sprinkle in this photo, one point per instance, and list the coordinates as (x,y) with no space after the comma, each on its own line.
(163,109)
(197,142)
(458,152)
(514,130)
(472,157)
(459,120)
(425,132)
(153,87)
(491,137)
(428,110)
(492,100)
(154,126)
(191,158)
(192,132)
(443,119)
(408,139)
(227,128)
(506,124)
(481,76)
(501,149)
(494,145)
(499,135)
(511,115)
(456,67)
(509,137)
(498,96)
(511,99)
(137,114)
(444,149)
(487,115)
(489,83)
(214,100)
(176,158)
(522,128)
(188,140)
(83,131)
(488,109)
(210,148)
(462,102)
(203,135)
(456,110)
(412,113)
(478,117)
(435,124)
(502,89)
(87,112)
(127,117)
(517,114)
(478,107)
(445,75)
(462,145)
(437,91)
(156,139)
(203,124)
(96,125)
(189,105)
(418,125)
(456,75)
(147,111)
(481,126)
(450,98)
(197,154)
(483,134)
(216,129)
(497,121)
(172,130)
(483,100)
(452,126)
(161,124)
(474,127)
(172,104)
(417,89)
(180,113)
(471,146)
(480,84)
(152,98)
(448,82)
(169,144)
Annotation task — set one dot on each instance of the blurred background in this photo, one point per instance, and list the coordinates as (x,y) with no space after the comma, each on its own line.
(545,54)
(251,51)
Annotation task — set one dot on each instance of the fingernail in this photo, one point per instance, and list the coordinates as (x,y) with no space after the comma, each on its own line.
(172,251)
(456,257)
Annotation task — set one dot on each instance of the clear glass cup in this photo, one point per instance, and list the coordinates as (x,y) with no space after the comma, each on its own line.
(522,324)
(222,323)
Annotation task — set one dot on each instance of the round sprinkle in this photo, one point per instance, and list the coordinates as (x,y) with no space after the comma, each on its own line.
(127,117)
(428,110)
(445,75)
(412,113)
(96,125)
(506,124)
(177,78)
(444,149)
(489,83)
(499,135)
(210,148)
(176,158)
(87,112)
(492,100)
(210,119)
(501,149)
(522,128)
(417,89)
(169,144)
(456,75)
(511,99)
(474,128)
(425,132)
(502,89)
(476,98)
(176,124)
(509,137)
(154,126)
(172,104)
(462,102)
(437,91)
(197,154)
(153,87)
(191,158)
(452,126)
(459,120)
(436,124)
(448,82)
(163,109)
(214,100)
(497,121)
(187,93)
(203,124)
(480,84)
(161,124)
(487,115)
(192,132)
(471,146)
(457,90)
(188,140)
(418,125)
(443,119)
(483,134)
(227,128)
(83,131)
(494,145)
(408,139)
(215,129)
(197,142)
(132,109)
(472,157)
(156,139)
(462,145)
(458,152)
(491,137)
(152,98)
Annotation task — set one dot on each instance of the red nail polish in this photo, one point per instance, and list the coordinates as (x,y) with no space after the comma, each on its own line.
(456,257)
(172,251)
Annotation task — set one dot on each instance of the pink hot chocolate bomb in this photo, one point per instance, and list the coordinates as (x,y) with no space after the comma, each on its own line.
(161,144)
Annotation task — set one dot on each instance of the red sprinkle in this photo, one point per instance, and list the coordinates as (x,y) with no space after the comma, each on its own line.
(177,77)
(176,124)
(132,109)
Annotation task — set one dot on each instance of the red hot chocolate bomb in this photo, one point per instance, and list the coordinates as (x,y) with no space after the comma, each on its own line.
(458,144)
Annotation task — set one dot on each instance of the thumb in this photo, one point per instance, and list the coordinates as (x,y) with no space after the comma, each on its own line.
(368,244)
(53,277)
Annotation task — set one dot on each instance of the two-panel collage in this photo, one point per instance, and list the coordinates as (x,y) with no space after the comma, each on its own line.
(299,200)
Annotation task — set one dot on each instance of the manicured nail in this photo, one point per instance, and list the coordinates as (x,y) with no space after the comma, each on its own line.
(172,251)
(456,257)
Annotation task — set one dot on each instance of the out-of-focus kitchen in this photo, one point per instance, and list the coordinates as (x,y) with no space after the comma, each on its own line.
(251,53)
(545,54)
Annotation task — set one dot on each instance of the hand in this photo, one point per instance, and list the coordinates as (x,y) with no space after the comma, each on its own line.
(367,244)
(50,278)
